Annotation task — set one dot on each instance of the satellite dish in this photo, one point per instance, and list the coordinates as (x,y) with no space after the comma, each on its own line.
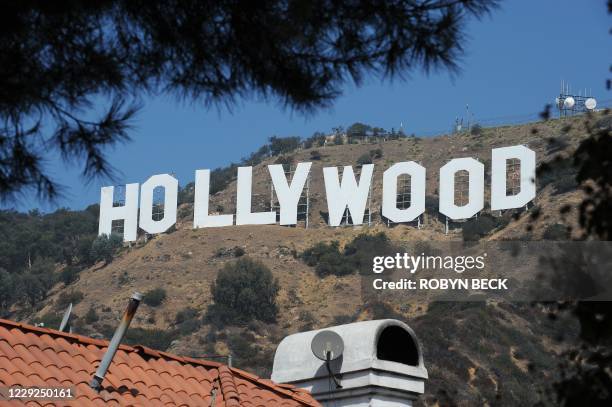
(590,103)
(569,102)
(327,345)
(65,326)
(558,102)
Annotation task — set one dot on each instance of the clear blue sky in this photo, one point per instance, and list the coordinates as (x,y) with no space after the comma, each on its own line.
(513,65)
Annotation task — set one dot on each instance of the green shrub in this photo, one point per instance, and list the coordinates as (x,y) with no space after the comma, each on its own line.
(210,337)
(159,339)
(358,130)
(283,145)
(476,228)
(312,255)
(376,154)
(239,251)
(356,257)
(68,297)
(188,327)
(185,314)
(476,130)
(308,143)
(565,184)
(91,316)
(243,290)
(31,288)
(105,246)
(186,194)
(186,321)
(285,160)
(220,178)
(560,172)
(62,236)
(556,231)
(69,275)
(317,139)
(224,252)
(154,297)
(333,263)
(7,289)
(242,346)
(363,159)
(315,155)
(360,252)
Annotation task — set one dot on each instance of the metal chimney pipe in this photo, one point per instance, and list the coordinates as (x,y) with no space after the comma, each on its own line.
(96,381)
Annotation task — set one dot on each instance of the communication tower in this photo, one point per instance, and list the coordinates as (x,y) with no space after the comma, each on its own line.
(569,103)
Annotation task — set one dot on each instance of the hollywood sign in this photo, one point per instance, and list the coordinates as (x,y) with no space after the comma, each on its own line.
(341,193)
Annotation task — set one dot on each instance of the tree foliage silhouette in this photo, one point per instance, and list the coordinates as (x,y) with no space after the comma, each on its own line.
(585,377)
(59,61)
(585,373)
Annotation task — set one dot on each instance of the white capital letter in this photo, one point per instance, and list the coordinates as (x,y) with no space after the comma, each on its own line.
(289,196)
(128,212)
(417,192)
(170,185)
(475,203)
(244,216)
(201,218)
(527,158)
(347,193)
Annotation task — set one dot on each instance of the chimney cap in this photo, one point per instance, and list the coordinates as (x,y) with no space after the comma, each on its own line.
(383,345)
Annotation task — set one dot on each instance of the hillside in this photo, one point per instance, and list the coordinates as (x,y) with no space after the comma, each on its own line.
(477,352)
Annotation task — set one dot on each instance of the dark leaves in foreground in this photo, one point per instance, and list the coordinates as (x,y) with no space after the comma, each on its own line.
(593,158)
(60,60)
(585,376)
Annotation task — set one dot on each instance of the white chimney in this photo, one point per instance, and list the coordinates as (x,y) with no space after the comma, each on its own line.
(381,365)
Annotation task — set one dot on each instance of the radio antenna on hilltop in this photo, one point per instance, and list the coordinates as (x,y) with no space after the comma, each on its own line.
(569,104)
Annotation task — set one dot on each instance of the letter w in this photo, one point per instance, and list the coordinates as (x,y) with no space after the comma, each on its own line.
(347,193)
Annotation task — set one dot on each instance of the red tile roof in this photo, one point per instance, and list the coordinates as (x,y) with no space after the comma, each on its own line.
(138,376)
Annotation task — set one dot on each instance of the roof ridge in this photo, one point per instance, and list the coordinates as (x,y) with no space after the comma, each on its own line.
(295,394)
(228,386)
(87,340)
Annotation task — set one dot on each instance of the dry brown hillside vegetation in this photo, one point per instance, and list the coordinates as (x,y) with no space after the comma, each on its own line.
(477,353)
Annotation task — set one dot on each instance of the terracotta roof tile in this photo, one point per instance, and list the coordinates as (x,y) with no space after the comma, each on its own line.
(23,353)
(7,350)
(138,376)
